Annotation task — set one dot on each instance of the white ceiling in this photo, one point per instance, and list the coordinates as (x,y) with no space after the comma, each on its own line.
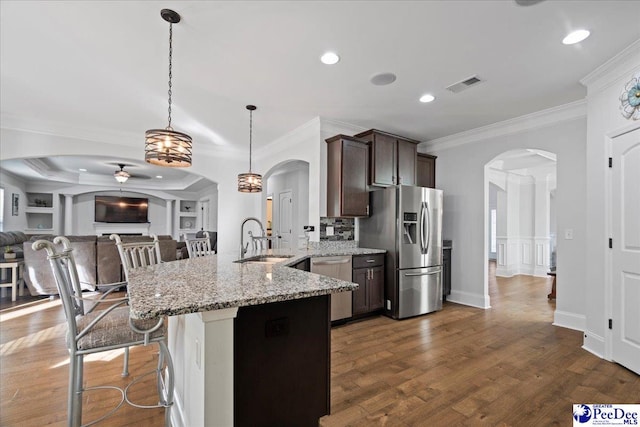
(102,65)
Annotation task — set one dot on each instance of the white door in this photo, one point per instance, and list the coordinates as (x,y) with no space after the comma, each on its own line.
(285,219)
(625,277)
(204,215)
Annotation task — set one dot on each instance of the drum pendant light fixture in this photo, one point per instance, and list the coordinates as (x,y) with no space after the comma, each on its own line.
(250,182)
(167,147)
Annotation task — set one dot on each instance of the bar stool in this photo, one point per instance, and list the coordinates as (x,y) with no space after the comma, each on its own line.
(92,331)
(200,246)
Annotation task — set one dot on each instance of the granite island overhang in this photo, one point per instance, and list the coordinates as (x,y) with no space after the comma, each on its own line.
(211,301)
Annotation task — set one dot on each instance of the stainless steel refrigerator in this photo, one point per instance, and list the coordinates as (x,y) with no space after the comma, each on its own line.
(407,222)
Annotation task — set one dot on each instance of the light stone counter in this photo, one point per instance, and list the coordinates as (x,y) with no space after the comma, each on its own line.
(202,297)
(217,282)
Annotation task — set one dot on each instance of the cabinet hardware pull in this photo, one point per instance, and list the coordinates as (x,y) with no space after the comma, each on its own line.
(371,260)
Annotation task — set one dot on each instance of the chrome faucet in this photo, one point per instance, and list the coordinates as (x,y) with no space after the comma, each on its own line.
(243,247)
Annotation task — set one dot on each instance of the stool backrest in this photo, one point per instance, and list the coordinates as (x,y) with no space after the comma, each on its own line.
(199,246)
(65,273)
(137,254)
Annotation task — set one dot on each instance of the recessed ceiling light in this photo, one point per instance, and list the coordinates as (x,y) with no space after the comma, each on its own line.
(330,58)
(159,176)
(82,170)
(427,97)
(576,37)
(383,79)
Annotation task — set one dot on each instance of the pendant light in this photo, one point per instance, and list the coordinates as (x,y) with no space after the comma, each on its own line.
(122,175)
(250,182)
(167,147)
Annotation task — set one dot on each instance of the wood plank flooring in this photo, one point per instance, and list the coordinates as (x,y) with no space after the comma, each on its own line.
(507,366)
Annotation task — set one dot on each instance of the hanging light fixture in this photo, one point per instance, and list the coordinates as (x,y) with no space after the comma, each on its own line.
(122,175)
(167,147)
(250,182)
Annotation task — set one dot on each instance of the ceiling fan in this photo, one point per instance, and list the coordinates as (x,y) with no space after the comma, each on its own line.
(121,175)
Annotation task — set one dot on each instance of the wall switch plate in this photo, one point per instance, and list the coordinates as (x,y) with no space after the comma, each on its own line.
(568,234)
(330,230)
(388,304)
(198,355)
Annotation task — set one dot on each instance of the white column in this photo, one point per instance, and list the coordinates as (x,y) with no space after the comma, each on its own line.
(201,345)
(169,218)
(542,225)
(68,215)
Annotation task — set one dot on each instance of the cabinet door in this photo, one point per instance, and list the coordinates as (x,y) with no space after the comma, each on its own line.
(407,152)
(376,289)
(355,198)
(383,160)
(426,171)
(360,303)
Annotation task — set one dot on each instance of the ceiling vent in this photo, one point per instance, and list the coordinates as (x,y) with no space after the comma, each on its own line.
(464,84)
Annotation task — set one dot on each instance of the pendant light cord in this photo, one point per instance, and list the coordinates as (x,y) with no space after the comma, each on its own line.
(170,63)
(250,136)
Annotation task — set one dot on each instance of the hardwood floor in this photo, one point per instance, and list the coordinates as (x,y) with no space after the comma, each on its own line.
(506,366)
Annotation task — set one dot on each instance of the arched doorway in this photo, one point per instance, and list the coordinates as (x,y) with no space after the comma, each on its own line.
(286,202)
(521,213)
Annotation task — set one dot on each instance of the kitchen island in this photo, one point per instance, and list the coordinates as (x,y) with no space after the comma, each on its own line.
(203,296)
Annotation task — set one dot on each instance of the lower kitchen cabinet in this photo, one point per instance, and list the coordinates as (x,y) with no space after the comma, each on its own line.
(281,363)
(368,272)
(446,273)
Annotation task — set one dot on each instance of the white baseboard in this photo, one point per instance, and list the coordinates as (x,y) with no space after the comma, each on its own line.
(594,344)
(569,320)
(467,298)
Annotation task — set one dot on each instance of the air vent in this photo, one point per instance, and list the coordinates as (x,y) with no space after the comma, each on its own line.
(464,84)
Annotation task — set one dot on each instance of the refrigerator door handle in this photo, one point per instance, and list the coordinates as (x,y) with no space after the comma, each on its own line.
(424,225)
(428,273)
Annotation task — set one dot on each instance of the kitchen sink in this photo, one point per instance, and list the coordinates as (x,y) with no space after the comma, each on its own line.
(264,259)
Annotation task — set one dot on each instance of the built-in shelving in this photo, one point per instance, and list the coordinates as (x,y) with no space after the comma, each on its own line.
(187,217)
(40,213)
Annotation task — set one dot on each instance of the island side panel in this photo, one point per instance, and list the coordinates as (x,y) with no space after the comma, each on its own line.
(282,363)
(201,346)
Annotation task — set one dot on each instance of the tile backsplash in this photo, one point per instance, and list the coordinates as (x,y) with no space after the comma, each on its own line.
(337,229)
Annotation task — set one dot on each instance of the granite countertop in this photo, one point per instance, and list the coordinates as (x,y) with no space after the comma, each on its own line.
(217,282)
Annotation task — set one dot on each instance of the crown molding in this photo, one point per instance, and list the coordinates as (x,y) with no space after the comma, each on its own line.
(539,119)
(617,67)
(335,127)
(294,136)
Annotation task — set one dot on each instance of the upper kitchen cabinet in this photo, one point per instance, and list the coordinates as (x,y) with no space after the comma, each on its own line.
(426,170)
(393,158)
(347,171)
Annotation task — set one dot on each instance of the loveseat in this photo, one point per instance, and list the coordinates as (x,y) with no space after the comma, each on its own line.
(97,259)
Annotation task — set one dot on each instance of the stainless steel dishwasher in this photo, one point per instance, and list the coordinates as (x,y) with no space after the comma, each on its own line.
(338,267)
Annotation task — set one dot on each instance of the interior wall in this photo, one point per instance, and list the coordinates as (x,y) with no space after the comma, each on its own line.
(460,173)
(84,212)
(13,185)
(604,122)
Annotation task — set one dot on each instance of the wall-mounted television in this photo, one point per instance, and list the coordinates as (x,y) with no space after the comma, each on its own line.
(121,209)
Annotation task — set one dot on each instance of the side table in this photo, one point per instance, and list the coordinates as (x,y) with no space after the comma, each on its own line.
(17,270)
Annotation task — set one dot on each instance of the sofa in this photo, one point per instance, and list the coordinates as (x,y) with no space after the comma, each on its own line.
(14,240)
(97,260)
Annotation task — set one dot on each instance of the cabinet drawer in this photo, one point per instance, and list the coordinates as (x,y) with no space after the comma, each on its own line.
(364,261)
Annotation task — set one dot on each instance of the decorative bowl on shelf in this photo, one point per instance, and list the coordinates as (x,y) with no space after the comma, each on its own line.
(188,224)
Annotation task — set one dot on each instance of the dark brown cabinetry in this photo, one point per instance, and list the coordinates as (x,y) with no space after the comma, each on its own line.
(393,158)
(446,272)
(347,171)
(426,170)
(368,272)
(281,363)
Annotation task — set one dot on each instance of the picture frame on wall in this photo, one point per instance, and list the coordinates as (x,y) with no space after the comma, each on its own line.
(15,202)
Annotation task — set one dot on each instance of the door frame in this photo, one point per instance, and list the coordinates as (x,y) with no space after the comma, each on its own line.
(608,214)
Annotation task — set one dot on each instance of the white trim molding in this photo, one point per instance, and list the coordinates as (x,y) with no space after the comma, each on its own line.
(471,299)
(568,320)
(540,119)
